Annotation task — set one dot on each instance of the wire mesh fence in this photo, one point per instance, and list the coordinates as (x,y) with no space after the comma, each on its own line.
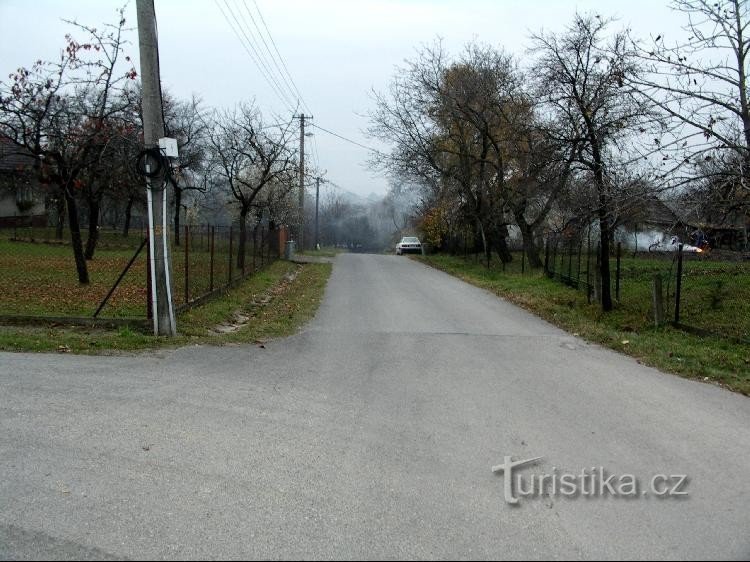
(210,258)
(713,293)
(702,290)
(573,260)
(39,277)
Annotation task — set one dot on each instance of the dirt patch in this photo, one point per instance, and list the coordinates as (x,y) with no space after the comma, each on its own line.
(243,316)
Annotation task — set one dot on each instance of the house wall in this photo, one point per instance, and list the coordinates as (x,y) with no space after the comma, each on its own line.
(10,215)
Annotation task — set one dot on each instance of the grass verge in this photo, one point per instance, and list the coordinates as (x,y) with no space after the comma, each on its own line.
(286,306)
(324,252)
(710,359)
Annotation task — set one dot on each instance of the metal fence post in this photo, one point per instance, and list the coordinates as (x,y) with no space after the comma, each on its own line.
(554,260)
(588,268)
(211,259)
(229,282)
(255,248)
(617,278)
(187,263)
(678,287)
(580,255)
(242,244)
(570,260)
(149,304)
(598,273)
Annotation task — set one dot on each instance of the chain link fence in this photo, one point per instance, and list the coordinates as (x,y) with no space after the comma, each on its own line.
(696,289)
(39,278)
(713,293)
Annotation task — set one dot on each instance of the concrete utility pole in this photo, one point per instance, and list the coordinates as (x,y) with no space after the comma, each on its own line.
(153,130)
(301,233)
(317,207)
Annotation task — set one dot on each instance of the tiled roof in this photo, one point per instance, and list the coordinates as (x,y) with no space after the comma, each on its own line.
(13,158)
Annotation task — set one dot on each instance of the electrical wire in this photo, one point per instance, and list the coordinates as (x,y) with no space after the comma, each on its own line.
(258,54)
(283,63)
(337,187)
(314,145)
(258,50)
(347,139)
(239,34)
(280,73)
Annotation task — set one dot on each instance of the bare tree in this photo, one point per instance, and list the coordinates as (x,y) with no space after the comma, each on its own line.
(248,157)
(57,112)
(185,121)
(455,128)
(581,73)
(700,84)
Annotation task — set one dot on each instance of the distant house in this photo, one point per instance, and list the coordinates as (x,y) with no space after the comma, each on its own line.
(21,196)
(655,219)
(725,226)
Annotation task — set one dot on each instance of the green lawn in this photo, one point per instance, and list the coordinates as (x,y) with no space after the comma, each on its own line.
(291,304)
(39,278)
(629,328)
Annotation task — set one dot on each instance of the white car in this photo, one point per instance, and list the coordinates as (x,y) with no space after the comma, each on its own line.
(409,245)
(673,245)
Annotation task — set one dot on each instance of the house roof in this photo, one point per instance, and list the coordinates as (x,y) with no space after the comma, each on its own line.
(14,158)
(652,211)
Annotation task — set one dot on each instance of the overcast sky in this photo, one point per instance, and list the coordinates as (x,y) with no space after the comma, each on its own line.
(336,50)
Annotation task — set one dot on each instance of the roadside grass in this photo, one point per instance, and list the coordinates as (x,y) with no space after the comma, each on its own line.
(39,278)
(628,329)
(324,252)
(292,303)
(715,294)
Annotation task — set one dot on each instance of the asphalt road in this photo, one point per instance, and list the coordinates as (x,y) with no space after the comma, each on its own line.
(370,434)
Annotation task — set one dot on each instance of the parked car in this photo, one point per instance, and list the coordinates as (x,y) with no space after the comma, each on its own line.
(409,245)
(673,245)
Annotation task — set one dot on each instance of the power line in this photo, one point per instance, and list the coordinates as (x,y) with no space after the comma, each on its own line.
(314,145)
(347,139)
(275,125)
(252,42)
(290,90)
(337,187)
(283,63)
(258,50)
(239,34)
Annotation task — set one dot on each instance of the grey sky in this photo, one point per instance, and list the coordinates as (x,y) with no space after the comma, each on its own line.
(336,50)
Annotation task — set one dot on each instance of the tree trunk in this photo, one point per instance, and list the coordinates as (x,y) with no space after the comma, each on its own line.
(485,246)
(93,237)
(128,216)
(243,239)
(604,232)
(529,244)
(500,239)
(60,226)
(177,205)
(75,238)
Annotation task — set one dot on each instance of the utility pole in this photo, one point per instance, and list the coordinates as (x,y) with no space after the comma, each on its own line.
(301,232)
(317,207)
(153,130)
